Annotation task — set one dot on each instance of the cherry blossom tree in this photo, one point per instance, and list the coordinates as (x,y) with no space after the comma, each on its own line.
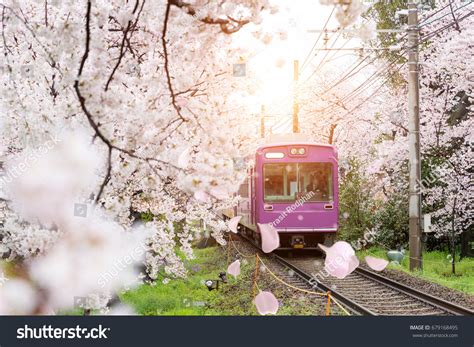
(112,109)
(372,124)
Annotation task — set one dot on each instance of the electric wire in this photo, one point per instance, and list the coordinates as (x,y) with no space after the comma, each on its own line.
(348,75)
(317,39)
(377,75)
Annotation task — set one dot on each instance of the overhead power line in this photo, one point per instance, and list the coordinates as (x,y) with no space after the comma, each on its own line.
(380,72)
(317,40)
(423,24)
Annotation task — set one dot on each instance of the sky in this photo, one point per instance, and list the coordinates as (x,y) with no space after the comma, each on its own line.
(270,64)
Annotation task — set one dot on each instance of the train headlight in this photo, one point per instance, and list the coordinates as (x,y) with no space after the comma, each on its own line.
(298,151)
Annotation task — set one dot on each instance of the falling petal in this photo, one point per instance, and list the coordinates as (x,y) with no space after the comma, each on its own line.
(323,247)
(340,259)
(266,303)
(201,196)
(353,263)
(376,264)
(219,193)
(234,268)
(183,159)
(280,62)
(233,223)
(270,237)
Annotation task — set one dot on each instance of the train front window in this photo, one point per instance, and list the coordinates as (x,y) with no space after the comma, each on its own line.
(280,181)
(315,181)
(286,182)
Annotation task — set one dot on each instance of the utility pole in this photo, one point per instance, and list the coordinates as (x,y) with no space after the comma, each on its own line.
(262,122)
(296,128)
(414,205)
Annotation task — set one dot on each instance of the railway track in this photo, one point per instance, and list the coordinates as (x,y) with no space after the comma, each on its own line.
(367,293)
(295,279)
(364,292)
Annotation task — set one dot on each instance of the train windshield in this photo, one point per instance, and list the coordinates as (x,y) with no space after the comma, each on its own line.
(287,182)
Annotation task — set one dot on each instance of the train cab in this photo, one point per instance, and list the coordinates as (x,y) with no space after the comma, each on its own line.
(294,187)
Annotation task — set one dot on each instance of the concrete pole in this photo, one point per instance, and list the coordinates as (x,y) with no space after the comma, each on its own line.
(414,205)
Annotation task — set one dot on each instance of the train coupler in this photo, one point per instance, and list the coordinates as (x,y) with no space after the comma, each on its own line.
(297,241)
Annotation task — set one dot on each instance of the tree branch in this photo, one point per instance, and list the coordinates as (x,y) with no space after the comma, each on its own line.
(121,54)
(228,25)
(125,39)
(165,54)
(107,175)
(95,126)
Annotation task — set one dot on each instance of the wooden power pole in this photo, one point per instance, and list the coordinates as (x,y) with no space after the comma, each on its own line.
(414,205)
(296,127)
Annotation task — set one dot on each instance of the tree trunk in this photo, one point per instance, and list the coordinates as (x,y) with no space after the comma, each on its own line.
(331,133)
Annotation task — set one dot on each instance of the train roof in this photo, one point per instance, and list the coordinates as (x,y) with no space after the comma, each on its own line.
(294,143)
(273,140)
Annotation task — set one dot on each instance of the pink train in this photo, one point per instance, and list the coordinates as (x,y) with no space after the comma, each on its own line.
(293,186)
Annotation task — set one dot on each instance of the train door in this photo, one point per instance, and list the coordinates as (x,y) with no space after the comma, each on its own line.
(244,206)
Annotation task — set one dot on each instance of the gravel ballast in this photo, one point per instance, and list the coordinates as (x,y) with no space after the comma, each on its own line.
(428,287)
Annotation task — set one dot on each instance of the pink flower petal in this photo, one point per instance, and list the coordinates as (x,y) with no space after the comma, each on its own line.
(376,264)
(219,193)
(323,247)
(234,268)
(233,223)
(266,303)
(183,159)
(353,263)
(181,102)
(270,237)
(201,196)
(340,259)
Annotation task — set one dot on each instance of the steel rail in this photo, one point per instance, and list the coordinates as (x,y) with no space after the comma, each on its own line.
(360,309)
(357,308)
(350,304)
(353,306)
(442,304)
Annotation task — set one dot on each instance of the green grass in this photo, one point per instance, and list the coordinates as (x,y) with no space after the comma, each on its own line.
(190,297)
(436,268)
(187,296)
